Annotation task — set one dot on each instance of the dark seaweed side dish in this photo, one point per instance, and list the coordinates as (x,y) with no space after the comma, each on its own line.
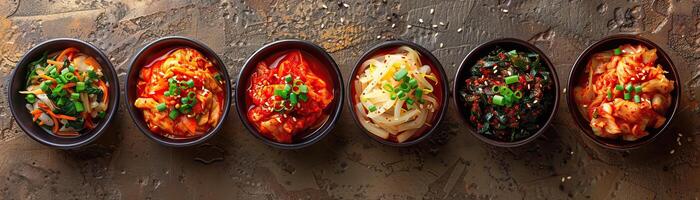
(507,93)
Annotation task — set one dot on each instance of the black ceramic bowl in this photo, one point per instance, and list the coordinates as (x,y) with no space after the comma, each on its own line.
(613,42)
(483,50)
(428,58)
(145,56)
(24,118)
(309,49)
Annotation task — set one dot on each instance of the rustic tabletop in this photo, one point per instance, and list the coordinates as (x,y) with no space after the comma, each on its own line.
(452,164)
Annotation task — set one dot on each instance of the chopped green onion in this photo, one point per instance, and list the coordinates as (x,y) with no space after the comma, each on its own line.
(609,94)
(191,95)
(498,100)
(404,87)
(184,109)
(409,101)
(303,97)
(45,86)
(507,92)
(293,99)
(78,106)
(627,96)
(418,93)
(70,77)
(161,107)
(393,96)
(401,94)
(508,100)
(75,96)
(619,87)
(71,68)
(387,87)
(617,51)
(185,100)
(400,74)
(413,83)
(512,79)
(30,98)
(518,94)
(80,86)
(496,88)
(372,108)
(65,71)
(281,93)
(57,90)
(101,114)
(629,87)
(173,114)
(287,88)
(166,93)
(288,79)
(637,99)
(190,83)
(638,89)
(61,101)
(303,89)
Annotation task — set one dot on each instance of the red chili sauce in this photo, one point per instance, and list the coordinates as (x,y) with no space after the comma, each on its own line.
(288,95)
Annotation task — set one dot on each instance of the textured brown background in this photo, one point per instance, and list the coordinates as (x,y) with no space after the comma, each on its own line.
(124,164)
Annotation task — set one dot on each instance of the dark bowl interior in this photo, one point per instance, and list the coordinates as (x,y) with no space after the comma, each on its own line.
(156,49)
(483,50)
(426,55)
(613,42)
(277,47)
(24,118)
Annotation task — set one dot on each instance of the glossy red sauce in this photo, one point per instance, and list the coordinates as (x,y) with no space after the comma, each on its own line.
(152,84)
(277,118)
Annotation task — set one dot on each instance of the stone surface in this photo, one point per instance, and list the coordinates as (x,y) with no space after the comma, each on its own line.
(124,164)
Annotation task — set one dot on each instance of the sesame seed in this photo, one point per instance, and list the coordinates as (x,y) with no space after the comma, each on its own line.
(408,26)
(324,6)
(564,91)
(420,20)
(441,45)
(379,37)
(432,11)
(672,151)
(393,25)
(434,25)
(505,10)
(459,30)
(342,20)
(346,5)
(441,23)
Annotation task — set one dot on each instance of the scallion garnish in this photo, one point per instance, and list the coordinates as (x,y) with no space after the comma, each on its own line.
(512,79)
(498,100)
(161,107)
(399,75)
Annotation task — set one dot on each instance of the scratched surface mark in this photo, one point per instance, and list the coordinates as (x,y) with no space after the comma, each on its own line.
(562,164)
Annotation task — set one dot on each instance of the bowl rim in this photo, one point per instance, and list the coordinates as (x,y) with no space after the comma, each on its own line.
(487,46)
(114,86)
(426,54)
(267,50)
(576,115)
(206,51)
